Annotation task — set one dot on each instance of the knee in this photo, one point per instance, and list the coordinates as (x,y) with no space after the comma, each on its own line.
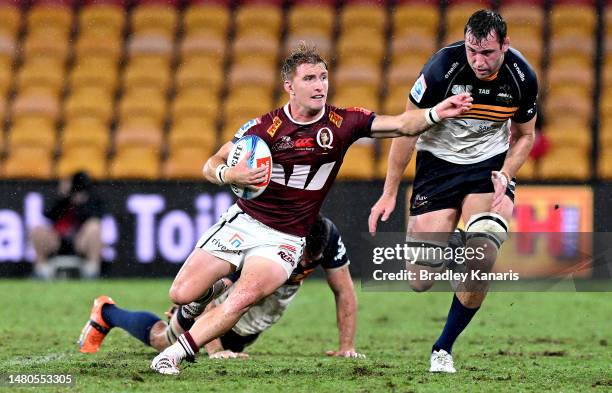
(179,294)
(420,286)
(39,233)
(92,228)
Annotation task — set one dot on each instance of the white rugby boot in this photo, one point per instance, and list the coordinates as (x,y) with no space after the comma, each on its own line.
(442,362)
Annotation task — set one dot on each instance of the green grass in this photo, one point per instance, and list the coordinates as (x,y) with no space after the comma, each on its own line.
(558,342)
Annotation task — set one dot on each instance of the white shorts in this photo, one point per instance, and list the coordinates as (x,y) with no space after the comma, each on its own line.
(264,313)
(238,236)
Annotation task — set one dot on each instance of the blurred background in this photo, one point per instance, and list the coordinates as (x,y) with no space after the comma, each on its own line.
(139,93)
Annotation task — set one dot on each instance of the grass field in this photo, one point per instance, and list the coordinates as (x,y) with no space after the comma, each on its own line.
(560,342)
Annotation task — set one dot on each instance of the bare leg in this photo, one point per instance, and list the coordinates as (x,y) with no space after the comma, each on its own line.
(472,293)
(46,242)
(424,227)
(260,277)
(88,242)
(197,275)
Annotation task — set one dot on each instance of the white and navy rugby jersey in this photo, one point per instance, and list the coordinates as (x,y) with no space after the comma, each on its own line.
(483,131)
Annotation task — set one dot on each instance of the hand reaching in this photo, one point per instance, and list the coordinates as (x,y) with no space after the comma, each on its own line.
(351,353)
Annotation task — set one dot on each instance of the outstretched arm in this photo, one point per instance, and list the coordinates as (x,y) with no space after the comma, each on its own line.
(417,121)
(341,284)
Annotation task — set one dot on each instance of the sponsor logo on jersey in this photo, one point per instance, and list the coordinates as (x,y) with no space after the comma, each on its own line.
(304,144)
(276,123)
(236,240)
(484,91)
(283,144)
(299,176)
(335,118)
(325,138)
(418,90)
(450,71)
(246,126)
(458,89)
(519,72)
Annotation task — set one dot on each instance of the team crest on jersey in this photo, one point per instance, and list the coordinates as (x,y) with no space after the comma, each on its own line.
(276,123)
(246,126)
(418,90)
(504,95)
(458,89)
(335,118)
(325,138)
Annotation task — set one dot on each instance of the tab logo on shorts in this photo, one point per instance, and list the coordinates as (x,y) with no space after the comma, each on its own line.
(418,90)
(276,123)
(335,118)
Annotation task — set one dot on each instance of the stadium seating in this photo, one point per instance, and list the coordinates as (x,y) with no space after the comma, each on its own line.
(359,162)
(180,77)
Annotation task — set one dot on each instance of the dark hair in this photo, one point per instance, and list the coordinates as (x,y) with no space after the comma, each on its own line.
(303,54)
(483,22)
(80,182)
(318,237)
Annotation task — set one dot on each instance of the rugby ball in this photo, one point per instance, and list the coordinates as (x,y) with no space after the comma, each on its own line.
(260,157)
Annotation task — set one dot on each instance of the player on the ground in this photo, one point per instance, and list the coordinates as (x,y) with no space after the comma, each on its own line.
(270,229)
(324,247)
(466,165)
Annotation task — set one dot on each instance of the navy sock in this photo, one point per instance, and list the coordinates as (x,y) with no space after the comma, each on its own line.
(136,323)
(458,318)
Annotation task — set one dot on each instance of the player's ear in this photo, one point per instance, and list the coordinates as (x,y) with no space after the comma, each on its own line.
(288,86)
(506,44)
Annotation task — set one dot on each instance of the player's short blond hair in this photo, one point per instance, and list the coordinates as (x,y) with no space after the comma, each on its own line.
(303,54)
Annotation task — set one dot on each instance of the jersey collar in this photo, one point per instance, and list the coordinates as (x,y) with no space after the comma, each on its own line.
(288,114)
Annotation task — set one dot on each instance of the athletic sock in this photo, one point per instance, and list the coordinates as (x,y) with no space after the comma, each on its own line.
(184,348)
(458,318)
(187,314)
(136,323)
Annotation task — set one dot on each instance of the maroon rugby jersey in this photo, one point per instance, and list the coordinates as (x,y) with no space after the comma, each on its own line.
(306,158)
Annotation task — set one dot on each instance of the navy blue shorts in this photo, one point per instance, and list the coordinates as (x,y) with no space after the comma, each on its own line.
(440,184)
